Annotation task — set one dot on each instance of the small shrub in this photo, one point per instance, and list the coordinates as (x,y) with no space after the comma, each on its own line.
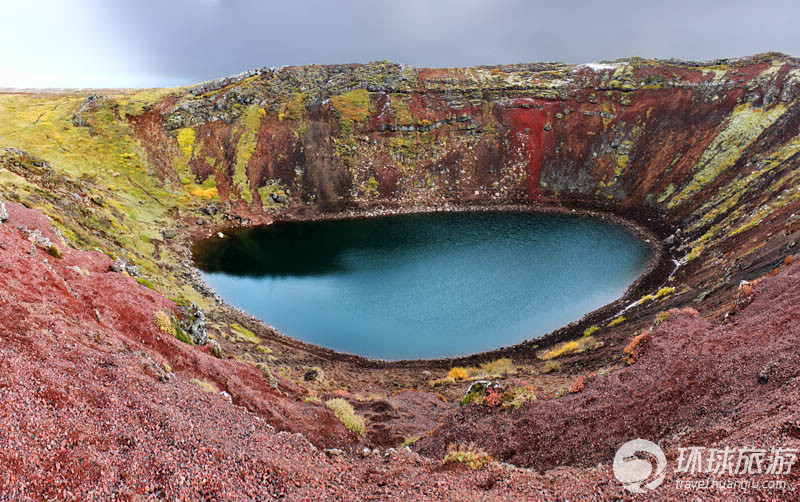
(346,414)
(144,282)
(665,291)
(618,320)
(409,441)
(475,394)
(631,350)
(206,193)
(469,455)
(457,373)
(493,397)
(504,366)
(645,298)
(519,396)
(566,348)
(164,323)
(578,385)
(591,330)
(55,252)
(442,381)
(660,317)
(551,366)
(576,346)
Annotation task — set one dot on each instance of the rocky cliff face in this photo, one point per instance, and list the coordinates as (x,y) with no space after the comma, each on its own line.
(709,148)
(667,135)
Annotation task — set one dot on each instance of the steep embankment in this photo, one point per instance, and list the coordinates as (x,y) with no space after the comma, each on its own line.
(705,155)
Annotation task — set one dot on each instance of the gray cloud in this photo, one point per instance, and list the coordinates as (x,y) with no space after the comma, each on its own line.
(175,42)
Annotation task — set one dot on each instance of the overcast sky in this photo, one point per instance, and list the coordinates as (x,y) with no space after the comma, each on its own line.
(134,43)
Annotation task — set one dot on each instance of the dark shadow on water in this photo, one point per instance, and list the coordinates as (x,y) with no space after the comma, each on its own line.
(308,249)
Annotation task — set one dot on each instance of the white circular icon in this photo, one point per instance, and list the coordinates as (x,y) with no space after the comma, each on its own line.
(634,462)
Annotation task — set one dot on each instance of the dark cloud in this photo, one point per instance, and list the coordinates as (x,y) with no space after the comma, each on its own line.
(169,42)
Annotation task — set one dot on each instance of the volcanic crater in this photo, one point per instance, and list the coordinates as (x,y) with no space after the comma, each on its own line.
(124,374)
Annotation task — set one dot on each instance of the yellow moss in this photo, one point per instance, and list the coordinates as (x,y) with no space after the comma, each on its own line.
(134,200)
(186,140)
(248,124)
(665,291)
(563,349)
(726,198)
(352,107)
(618,320)
(590,330)
(244,335)
(742,128)
(206,193)
(346,414)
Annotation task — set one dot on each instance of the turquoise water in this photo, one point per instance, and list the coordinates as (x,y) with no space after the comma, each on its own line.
(424,286)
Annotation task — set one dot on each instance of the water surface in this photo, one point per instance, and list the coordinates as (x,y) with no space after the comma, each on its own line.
(424,286)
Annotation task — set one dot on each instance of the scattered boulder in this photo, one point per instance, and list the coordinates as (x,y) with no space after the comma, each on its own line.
(170,233)
(37,239)
(314,375)
(118,266)
(210,209)
(90,104)
(193,322)
(3,212)
(121,265)
(670,240)
(278,198)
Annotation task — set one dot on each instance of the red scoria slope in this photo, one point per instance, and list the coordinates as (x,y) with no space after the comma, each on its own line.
(85,416)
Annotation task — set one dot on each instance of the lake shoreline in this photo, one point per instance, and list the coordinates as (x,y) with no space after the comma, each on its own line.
(660,265)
